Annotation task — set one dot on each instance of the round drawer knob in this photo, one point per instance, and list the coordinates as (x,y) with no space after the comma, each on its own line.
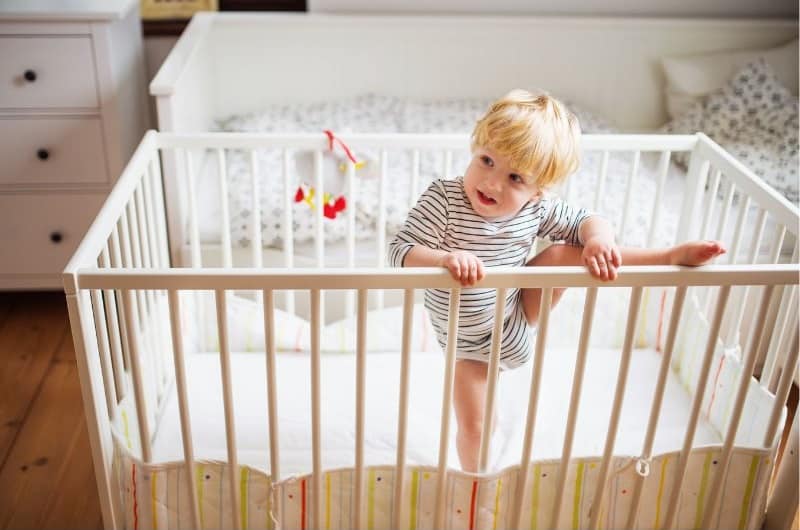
(56,237)
(30,76)
(42,154)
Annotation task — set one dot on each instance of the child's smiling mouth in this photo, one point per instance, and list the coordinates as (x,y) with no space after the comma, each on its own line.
(485,199)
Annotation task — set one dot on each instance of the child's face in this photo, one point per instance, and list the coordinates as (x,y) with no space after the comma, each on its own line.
(493,188)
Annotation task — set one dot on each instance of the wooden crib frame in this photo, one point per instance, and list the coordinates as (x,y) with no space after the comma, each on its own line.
(126,252)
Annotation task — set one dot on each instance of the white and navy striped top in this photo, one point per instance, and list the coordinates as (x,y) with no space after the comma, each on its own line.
(443,219)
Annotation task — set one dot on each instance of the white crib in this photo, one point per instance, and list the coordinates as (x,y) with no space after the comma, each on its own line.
(137,323)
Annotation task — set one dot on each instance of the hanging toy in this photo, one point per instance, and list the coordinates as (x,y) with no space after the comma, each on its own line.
(331,205)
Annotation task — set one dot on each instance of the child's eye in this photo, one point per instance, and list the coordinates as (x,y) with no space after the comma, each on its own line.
(487,161)
(515,178)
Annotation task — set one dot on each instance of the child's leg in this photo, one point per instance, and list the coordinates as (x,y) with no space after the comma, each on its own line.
(469,397)
(693,253)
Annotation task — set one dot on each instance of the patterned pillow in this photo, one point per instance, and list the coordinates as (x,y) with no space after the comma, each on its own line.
(755,118)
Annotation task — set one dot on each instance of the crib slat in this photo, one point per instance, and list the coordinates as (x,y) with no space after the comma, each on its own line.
(725,213)
(737,236)
(663,168)
(255,184)
(402,413)
(735,330)
(493,372)
(533,403)
(220,296)
(629,190)
(351,232)
(272,385)
(144,232)
(136,372)
(736,414)
(227,251)
(174,305)
(319,203)
(288,233)
(788,329)
(194,230)
(448,164)
(104,354)
(414,182)
(782,392)
(135,241)
(316,476)
(153,331)
(319,227)
(658,399)
(447,403)
(601,183)
(708,211)
(774,257)
(153,188)
(680,472)
(616,408)
(155,260)
(572,417)
(788,304)
(117,262)
(114,329)
(381,227)
(361,381)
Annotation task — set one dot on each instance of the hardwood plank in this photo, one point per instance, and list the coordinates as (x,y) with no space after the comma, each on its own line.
(29,337)
(48,479)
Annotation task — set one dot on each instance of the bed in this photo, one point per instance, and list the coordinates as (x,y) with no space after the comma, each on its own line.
(390,464)
(194,350)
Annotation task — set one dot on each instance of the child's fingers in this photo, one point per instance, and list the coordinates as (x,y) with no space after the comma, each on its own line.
(603,266)
(617,257)
(591,264)
(473,272)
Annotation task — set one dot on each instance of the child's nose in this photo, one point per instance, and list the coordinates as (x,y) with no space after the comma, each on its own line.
(494,181)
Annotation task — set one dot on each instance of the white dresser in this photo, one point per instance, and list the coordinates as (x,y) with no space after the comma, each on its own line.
(73,106)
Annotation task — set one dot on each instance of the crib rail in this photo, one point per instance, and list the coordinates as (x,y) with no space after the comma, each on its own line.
(122,292)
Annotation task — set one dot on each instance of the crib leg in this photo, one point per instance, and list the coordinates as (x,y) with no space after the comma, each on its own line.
(782,505)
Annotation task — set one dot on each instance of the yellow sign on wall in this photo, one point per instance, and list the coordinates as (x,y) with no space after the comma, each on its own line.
(174,9)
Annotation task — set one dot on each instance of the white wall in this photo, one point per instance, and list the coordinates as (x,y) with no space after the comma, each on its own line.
(667,8)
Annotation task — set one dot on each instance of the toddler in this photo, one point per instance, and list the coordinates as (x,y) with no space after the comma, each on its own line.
(525,144)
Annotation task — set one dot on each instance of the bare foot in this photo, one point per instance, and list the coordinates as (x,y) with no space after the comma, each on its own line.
(695,253)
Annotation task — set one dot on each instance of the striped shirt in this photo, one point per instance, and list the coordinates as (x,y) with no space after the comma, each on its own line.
(443,219)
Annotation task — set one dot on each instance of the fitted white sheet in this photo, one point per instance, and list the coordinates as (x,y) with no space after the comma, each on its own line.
(338,410)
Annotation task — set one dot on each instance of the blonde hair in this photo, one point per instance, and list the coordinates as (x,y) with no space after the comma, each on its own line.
(536,132)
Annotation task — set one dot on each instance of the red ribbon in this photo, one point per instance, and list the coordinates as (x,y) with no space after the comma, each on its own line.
(333,138)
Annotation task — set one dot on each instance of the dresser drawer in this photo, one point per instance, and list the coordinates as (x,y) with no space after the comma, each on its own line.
(47,72)
(39,233)
(40,151)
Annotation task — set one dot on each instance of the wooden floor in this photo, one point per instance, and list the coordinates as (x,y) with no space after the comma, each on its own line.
(46,473)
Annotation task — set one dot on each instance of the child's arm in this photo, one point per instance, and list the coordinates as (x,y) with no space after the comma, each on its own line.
(600,251)
(417,243)
(463,266)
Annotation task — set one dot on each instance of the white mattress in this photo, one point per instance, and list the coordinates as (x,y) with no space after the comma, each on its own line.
(338,406)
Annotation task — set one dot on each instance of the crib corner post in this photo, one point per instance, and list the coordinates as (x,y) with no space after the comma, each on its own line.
(783,503)
(94,404)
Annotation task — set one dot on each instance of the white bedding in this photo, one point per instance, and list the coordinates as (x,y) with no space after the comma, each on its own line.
(338,406)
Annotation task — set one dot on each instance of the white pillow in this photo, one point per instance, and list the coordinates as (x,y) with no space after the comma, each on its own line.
(691,78)
(246,328)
